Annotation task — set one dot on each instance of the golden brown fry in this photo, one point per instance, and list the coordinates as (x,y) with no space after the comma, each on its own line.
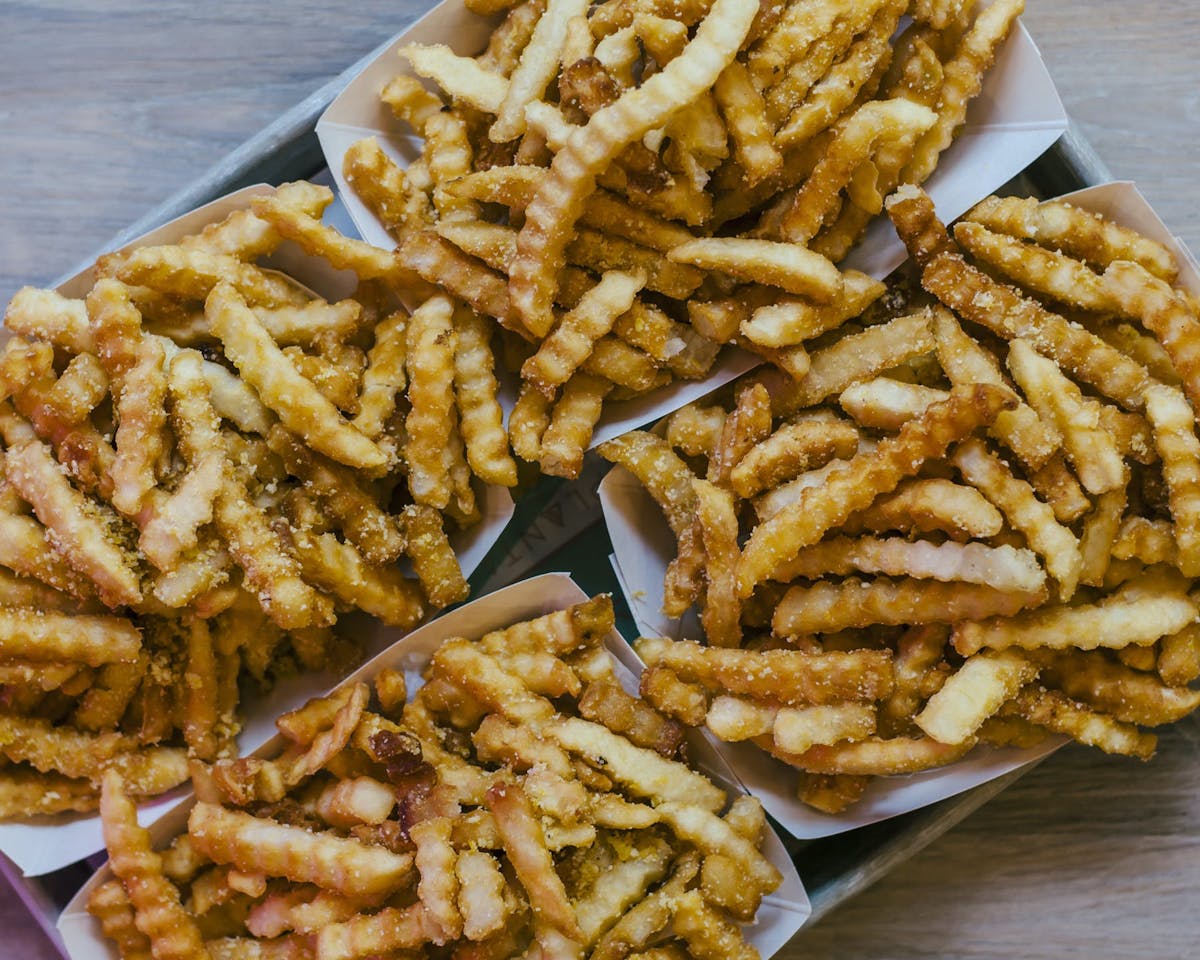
(718,527)
(794,448)
(1175,439)
(432,557)
(1139,613)
(77,524)
(172,933)
(974,693)
(1059,714)
(784,676)
(1058,225)
(480,417)
(827,607)
(570,429)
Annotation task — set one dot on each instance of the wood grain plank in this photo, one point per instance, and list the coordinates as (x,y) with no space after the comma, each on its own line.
(107,108)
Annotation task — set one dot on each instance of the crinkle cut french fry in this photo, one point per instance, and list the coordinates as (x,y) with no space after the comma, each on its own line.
(789,322)
(439,261)
(432,556)
(796,729)
(480,417)
(1046,273)
(1175,438)
(408,99)
(718,526)
(643,772)
(961,84)
(110,905)
(887,404)
(461,77)
(1054,483)
(859,357)
(27,793)
(748,424)
(329,861)
(854,486)
(158,914)
(618,888)
(570,429)
(79,389)
(560,198)
(1090,448)
(973,693)
(194,273)
(857,74)
(1099,534)
(559,633)
(1059,714)
(571,341)
(1002,567)
(784,676)
(384,378)
(1054,542)
(247,237)
(486,679)
(966,361)
(1150,541)
(537,66)
(787,266)
(1058,225)
(1128,695)
(26,550)
(1139,613)
(1179,657)
(343,253)
(49,316)
(525,844)
(172,529)
(340,569)
(377,180)
(200,692)
(297,402)
(826,607)
(791,450)
(76,524)
(873,756)
(140,409)
(362,934)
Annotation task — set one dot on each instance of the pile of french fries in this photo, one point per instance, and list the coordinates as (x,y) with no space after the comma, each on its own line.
(520,804)
(627,186)
(975,519)
(203,464)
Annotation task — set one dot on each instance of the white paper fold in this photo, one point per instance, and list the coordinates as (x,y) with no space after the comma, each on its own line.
(50,843)
(781,914)
(1016,117)
(643,546)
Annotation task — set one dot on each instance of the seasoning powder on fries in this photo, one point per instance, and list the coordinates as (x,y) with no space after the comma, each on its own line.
(967,523)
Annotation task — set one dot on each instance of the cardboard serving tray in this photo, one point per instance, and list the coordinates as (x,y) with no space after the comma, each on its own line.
(1016,117)
(45,844)
(782,913)
(643,545)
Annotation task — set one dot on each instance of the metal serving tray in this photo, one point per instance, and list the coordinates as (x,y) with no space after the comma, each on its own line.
(554,515)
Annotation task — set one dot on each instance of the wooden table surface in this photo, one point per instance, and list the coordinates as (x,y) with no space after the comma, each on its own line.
(106,108)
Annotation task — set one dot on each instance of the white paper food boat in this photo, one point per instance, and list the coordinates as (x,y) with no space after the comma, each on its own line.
(643,545)
(45,844)
(781,914)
